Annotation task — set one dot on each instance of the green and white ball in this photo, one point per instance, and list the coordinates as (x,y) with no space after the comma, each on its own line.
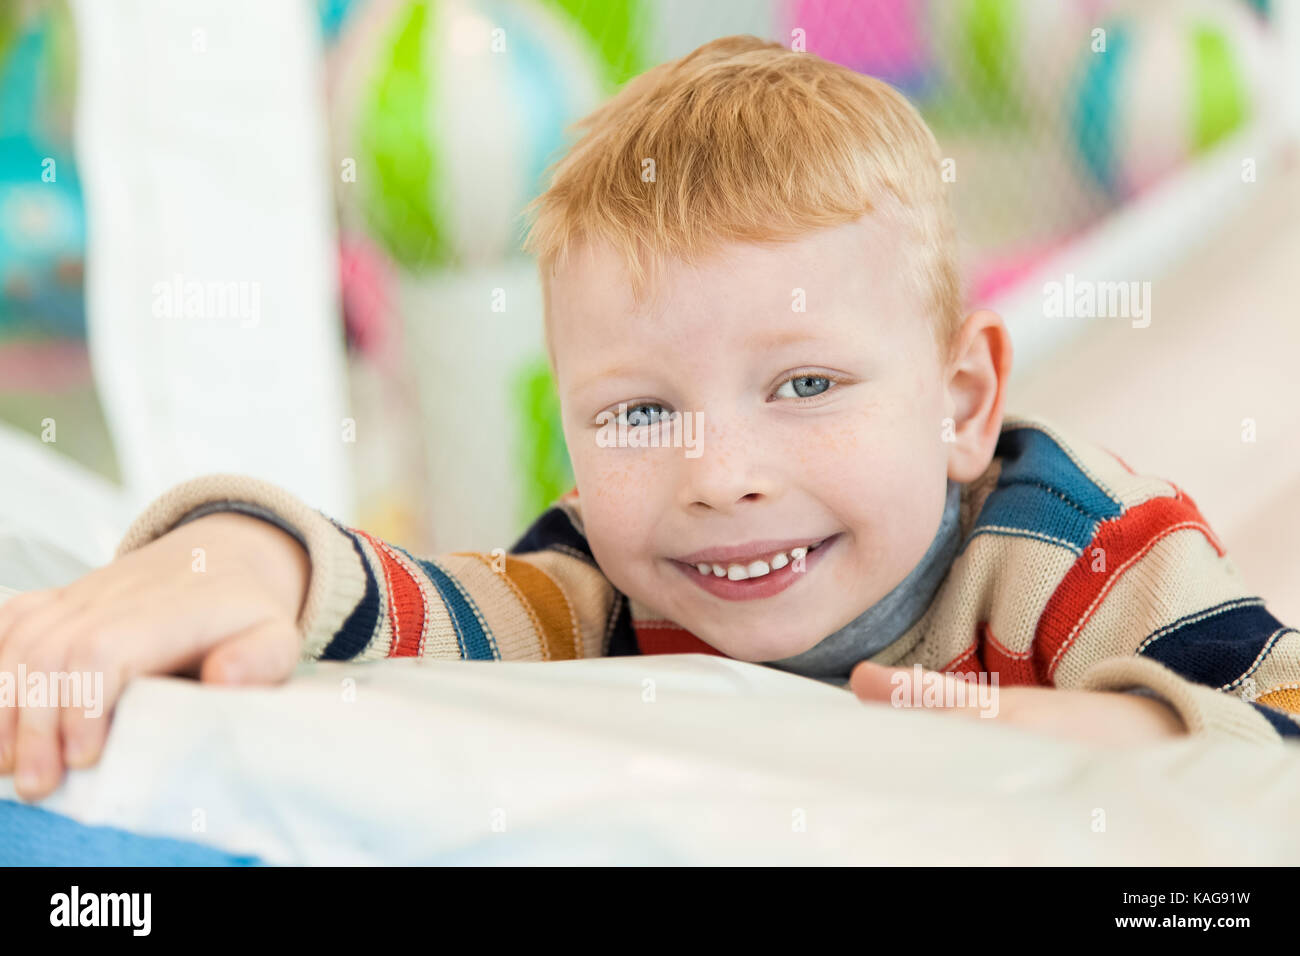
(1174,80)
(457,107)
(1010,58)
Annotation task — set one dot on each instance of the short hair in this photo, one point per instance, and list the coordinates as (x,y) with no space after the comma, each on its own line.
(750,142)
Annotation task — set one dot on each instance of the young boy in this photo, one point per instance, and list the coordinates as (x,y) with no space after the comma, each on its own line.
(789,447)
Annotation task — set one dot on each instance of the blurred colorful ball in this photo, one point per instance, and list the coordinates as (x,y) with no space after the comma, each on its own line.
(42,220)
(459,106)
(1011,58)
(42,238)
(884,38)
(1174,80)
(332,15)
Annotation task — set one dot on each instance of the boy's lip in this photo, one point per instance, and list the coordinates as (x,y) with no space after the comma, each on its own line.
(749,551)
(767,585)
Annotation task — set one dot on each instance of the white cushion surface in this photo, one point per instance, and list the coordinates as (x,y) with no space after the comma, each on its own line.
(668,759)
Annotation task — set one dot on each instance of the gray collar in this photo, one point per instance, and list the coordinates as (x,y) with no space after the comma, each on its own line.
(888,619)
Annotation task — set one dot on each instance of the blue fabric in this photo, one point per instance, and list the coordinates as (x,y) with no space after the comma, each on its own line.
(1217,645)
(31,836)
(1283,724)
(475,643)
(360,626)
(1042,493)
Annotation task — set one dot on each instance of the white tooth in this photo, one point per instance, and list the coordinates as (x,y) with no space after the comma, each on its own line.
(779,560)
(719,570)
(758,568)
(737,573)
(798,553)
(703,568)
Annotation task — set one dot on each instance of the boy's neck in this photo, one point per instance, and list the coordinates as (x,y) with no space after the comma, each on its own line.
(833,658)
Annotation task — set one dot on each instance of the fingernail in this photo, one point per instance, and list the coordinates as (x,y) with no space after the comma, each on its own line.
(75,752)
(28,780)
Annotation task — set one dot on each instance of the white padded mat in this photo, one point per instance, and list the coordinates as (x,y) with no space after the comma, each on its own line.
(669,759)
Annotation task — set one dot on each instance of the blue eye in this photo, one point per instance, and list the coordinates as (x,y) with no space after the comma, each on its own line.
(644,414)
(804,386)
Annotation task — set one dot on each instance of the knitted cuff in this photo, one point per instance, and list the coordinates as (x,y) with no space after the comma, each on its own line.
(338,578)
(1203,709)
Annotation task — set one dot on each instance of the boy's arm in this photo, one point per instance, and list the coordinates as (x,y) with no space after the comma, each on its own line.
(1171,617)
(367,598)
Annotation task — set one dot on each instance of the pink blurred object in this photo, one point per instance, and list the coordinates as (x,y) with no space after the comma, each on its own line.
(367,279)
(43,367)
(990,279)
(882,38)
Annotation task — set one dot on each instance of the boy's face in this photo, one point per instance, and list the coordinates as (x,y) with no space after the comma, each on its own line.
(817,424)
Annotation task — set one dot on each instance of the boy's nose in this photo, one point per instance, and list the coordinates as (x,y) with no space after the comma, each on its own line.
(729,472)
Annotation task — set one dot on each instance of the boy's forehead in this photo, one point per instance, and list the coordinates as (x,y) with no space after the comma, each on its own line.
(863,259)
(845,287)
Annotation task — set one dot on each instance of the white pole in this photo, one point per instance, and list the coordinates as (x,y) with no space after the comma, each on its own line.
(213,320)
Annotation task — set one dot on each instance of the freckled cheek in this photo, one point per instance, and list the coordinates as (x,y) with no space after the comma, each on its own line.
(622,500)
(835,460)
(620,474)
(871,477)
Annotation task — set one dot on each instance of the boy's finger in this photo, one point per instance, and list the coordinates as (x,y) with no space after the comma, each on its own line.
(40,619)
(101,656)
(265,653)
(38,761)
(38,764)
(872,682)
(912,687)
(84,733)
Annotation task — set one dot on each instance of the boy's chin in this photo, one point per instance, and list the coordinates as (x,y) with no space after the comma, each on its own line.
(745,648)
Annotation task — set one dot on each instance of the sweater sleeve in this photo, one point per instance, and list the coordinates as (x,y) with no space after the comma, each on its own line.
(1170,617)
(367,598)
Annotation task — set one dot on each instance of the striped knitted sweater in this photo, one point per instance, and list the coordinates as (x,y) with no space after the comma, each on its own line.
(1073,572)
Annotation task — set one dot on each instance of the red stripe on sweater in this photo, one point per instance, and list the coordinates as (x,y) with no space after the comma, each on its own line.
(661,637)
(405,602)
(1124,541)
(967,662)
(1012,667)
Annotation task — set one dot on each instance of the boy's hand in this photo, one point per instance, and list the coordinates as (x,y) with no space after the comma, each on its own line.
(1088,716)
(218,597)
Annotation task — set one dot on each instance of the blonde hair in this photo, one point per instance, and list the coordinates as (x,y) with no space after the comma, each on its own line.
(750,142)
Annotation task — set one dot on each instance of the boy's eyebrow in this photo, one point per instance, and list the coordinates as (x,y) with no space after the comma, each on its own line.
(787,337)
(775,341)
(617,371)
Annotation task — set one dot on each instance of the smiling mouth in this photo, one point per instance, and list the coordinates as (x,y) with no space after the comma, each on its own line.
(757,567)
(737,583)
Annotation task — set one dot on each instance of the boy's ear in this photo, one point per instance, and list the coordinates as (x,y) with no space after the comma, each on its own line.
(976,377)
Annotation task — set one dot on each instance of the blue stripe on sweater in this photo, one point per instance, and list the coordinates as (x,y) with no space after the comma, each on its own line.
(1283,724)
(1217,646)
(475,643)
(359,628)
(1041,491)
(553,528)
